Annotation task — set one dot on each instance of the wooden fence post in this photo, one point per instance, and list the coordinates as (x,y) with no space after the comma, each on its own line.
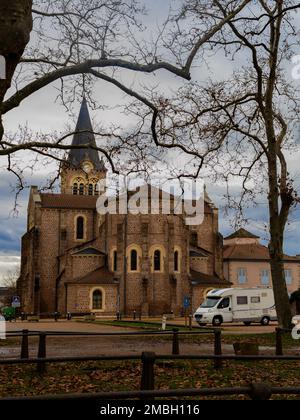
(279,346)
(175,346)
(260,392)
(41,366)
(147,380)
(24,345)
(218,348)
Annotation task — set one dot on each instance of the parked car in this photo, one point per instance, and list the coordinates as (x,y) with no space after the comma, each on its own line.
(253,305)
(9,313)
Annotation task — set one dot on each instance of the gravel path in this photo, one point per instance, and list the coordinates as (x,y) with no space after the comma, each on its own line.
(106,345)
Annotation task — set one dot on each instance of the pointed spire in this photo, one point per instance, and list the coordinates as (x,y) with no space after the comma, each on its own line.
(83,136)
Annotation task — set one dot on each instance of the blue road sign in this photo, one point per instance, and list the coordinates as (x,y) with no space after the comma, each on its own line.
(186,302)
(16,302)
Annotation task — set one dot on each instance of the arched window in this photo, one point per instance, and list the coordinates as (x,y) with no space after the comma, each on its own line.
(75,189)
(96,191)
(91,189)
(97,300)
(115,261)
(133,260)
(157,260)
(81,189)
(80,228)
(176,261)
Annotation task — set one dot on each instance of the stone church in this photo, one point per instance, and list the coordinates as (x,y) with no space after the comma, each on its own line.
(75,260)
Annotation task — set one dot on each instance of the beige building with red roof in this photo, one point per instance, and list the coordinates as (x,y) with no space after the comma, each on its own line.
(247,262)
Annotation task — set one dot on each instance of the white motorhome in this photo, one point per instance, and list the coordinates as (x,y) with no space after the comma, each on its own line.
(237,305)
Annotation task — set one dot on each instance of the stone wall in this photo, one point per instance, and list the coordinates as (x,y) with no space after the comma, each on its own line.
(79,299)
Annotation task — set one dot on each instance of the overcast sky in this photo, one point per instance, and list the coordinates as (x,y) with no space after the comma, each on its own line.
(42,113)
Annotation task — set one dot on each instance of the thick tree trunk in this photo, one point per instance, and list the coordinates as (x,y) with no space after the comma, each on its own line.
(15,29)
(278,279)
(277,227)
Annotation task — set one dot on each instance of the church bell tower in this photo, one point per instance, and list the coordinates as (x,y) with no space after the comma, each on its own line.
(84,169)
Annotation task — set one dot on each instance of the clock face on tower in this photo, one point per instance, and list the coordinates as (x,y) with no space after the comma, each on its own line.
(87,167)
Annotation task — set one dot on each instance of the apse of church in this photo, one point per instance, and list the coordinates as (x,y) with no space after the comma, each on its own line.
(75,260)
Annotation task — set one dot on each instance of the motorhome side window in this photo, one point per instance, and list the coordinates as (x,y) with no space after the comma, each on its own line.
(242,300)
(255,299)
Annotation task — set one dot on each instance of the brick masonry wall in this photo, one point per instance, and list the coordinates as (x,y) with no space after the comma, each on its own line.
(79,299)
(85,264)
(199,264)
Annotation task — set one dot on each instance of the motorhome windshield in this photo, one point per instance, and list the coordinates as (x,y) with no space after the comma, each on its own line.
(210,302)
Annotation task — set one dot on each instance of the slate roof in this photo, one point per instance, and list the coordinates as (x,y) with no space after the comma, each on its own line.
(88,251)
(84,136)
(198,253)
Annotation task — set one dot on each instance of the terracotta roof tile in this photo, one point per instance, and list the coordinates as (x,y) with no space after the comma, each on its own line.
(250,252)
(84,202)
(99,276)
(69,201)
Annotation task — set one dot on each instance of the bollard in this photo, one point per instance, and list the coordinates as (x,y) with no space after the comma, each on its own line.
(279,346)
(134,315)
(175,348)
(190,321)
(218,348)
(41,366)
(118,316)
(24,345)
(147,380)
